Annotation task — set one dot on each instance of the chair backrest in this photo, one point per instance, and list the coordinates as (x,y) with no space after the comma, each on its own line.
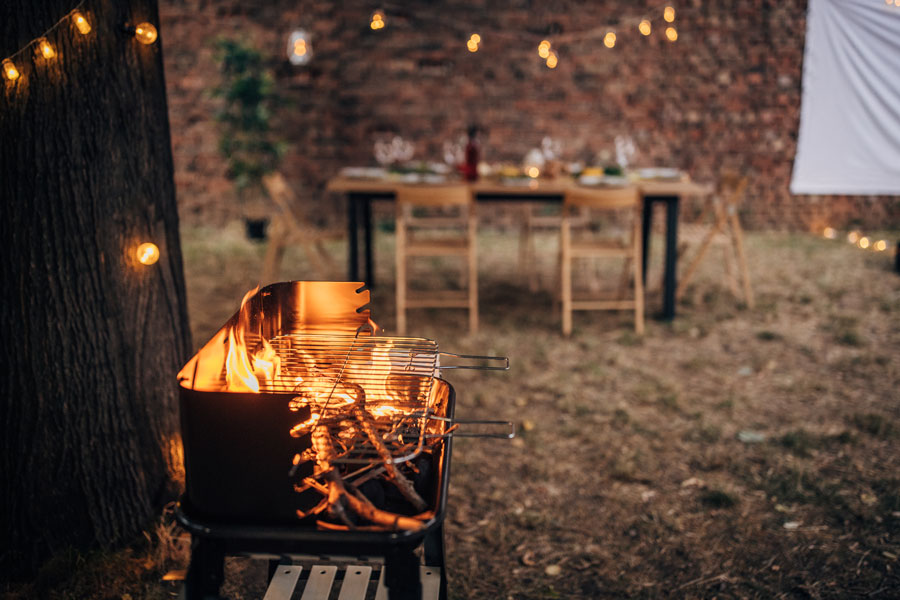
(279,191)
(602,198)
(434,195)
(732,186)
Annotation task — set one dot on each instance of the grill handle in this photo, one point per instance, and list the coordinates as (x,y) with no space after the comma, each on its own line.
(477,367)
(508,428)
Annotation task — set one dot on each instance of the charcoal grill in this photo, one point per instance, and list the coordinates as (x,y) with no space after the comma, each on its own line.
(253,470)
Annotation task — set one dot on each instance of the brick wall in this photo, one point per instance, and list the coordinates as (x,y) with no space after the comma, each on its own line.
(727,93)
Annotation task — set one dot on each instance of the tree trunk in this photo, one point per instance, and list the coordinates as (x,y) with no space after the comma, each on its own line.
(92,338)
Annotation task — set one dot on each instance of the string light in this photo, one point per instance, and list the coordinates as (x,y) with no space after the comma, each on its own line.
(45,49)
(145,33)
(9,70)
(81,23)
(299,48)
(669,14)
(644,27)
(552,60)
(609,40)
(377,20)
(671,34)
(147,253)
(42,47)
(544,49)
(857,239)
(474,41)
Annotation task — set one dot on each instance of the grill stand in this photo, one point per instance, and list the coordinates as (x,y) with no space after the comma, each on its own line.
(210,544)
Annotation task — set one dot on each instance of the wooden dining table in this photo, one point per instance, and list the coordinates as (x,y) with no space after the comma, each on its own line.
(361,192)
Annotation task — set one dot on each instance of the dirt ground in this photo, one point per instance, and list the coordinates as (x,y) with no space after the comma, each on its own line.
(731,453)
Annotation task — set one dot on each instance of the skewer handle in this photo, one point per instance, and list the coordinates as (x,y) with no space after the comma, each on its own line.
(477,367)
(506,429)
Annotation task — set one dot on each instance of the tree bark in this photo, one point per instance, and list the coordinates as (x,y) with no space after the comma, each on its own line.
(92,339)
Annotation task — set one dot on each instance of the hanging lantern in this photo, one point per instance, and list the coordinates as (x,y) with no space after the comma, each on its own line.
(299,47)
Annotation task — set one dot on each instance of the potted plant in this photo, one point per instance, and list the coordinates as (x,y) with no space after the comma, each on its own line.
(247,142)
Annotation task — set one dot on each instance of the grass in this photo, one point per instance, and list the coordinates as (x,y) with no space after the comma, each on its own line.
(628,473)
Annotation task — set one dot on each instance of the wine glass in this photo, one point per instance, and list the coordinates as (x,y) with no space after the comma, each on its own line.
(384,154)
(625,150)
(551,147)
(403,150)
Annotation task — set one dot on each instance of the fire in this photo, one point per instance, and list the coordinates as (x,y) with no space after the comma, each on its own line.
(367,397)
(243,369)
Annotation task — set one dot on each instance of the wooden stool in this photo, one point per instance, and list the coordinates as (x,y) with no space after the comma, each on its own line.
(436,235)
(723,229)
(291,229)
(613,200)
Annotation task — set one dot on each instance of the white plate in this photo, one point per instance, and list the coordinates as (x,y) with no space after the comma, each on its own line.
(595,180)
(659,173)
(363,172)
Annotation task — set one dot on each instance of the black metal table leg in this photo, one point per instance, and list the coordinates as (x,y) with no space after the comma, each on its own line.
(646,221)
(367,231)
(671,260)
(352,239)
(670,276)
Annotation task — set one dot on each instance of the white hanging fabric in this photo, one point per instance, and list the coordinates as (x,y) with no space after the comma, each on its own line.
(849,138)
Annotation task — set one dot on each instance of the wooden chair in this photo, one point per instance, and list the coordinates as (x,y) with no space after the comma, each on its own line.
(625,203)
(436,234)
(289,228)
(718,224)
(533,219)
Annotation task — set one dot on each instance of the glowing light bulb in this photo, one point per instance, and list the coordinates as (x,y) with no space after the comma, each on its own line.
(377,20)
(45,48)
(880,246)
(669,14)
(853,237)
(609,40)
(671,33)
(299,48)
(552,60)
(829,232)
(81,23)
(864,242)
(544,49)
(147,253)
(644,27)
(145,33)
(10,70)
(475,38)
(472,46)
(533,172)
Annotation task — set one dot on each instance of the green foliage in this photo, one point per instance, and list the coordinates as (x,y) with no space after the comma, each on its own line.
(250,98)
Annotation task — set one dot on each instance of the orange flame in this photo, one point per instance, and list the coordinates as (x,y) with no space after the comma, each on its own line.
(243,369)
